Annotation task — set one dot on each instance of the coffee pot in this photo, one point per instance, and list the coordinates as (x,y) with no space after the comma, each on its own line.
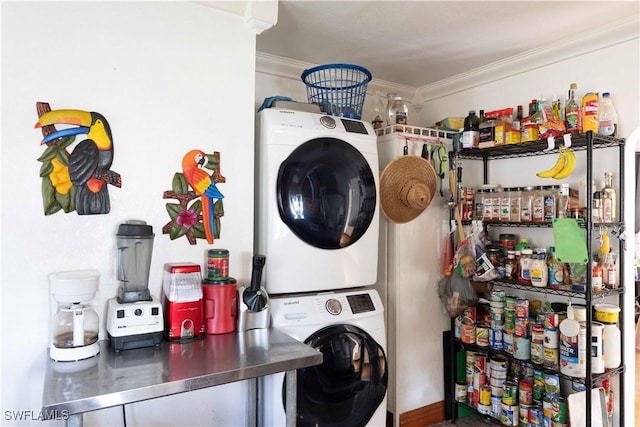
(75,322)
(75,326)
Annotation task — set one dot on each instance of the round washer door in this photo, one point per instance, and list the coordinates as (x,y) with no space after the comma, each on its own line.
(349,385)
(326,193)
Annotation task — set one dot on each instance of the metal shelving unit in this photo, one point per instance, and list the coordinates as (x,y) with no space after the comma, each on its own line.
(581,142)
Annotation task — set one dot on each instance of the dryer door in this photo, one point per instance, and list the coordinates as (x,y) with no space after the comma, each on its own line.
(326,193)
(349,385)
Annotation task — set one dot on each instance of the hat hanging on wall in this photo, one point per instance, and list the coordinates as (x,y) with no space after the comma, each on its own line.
(407,185)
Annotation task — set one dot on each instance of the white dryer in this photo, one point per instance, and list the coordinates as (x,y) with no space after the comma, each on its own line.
(317,201)
(349,387)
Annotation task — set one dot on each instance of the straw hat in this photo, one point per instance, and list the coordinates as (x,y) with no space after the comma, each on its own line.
(407,185)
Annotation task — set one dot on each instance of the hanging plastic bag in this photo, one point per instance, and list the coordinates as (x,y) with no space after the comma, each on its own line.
(456,294)
(465,259)
(446,267)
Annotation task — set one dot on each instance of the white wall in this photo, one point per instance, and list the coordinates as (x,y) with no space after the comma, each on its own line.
(169,77)
(606,61)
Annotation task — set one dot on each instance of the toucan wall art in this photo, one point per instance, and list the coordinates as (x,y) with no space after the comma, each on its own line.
(78,180)
(198,213)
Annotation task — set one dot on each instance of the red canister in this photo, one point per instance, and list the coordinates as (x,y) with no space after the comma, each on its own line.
(220,305)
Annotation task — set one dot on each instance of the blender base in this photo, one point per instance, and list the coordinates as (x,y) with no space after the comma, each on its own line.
(129,342)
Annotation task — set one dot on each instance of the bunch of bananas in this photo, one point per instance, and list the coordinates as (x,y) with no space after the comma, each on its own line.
(563,167)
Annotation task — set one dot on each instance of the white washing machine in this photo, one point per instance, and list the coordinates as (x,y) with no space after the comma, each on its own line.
(349,387)
(317,201)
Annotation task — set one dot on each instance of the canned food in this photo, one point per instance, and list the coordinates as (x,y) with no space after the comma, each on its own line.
(524,414)
(510,393)
(507,343)
(525,391)
(551,356)
(559,409)
(551,337)
(509,415)
(485,395)
(535,416)
(468,333)
(495,339)
(217,264)
(521,348)
(461,392)
(522,308)
(510,302)
(551,384)
(482,336)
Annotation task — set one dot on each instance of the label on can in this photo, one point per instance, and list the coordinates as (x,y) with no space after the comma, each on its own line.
(218,264)
(482,336)
(485,395)
(510,393)
(551,384)
(524,414)
(461,392)
(550,358)
(507,343)
(525,391)
(495,339)
(537,353)
(521,348)
(509,415)
(559,409)
(551,337)
(468,333)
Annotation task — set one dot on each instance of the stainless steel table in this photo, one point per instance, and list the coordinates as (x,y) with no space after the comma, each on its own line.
(112,379)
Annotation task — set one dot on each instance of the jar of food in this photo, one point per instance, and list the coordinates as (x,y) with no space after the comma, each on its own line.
(505,205)
(550,195)
(537,201)
(496,204)
(526,204)
(487,204)
(515,203)
(478,205)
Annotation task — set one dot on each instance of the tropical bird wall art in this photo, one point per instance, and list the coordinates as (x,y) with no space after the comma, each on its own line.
(198,213)
(78,180)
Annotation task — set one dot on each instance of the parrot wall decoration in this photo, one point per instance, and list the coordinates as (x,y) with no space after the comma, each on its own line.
(89,164)
(203,185)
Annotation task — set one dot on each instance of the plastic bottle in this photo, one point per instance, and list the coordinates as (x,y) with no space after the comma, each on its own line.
(556,270)
(611,344)
(590,112)
(539,271)
(524,266)
(607,116)
(399,112)
(471,132)
(572,112)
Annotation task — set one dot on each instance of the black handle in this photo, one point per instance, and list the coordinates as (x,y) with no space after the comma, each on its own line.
(256,272)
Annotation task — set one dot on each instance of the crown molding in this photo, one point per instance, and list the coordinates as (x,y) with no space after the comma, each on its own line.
(599,38)
(292,69)
(258,15)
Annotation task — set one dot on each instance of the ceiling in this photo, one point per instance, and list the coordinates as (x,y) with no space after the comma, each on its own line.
(417,43)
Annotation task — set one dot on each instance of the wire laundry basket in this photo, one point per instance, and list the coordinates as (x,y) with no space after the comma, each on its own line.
(338,89)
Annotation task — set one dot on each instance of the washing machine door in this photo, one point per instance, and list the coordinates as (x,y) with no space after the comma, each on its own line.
(349,385)
(326,193)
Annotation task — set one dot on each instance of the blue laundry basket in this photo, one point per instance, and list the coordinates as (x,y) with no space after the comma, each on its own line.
(339,89)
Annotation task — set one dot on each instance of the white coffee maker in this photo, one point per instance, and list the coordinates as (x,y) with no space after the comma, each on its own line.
(75,322)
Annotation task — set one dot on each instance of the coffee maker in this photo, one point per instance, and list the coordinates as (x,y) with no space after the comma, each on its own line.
(75,323)
(134,317)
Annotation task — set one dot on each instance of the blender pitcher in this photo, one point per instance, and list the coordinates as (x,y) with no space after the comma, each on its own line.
(135,245)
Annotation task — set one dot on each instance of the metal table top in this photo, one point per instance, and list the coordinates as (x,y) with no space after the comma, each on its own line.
(111,379)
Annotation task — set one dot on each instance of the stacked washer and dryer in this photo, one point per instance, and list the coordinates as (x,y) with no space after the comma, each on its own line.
(317,223)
